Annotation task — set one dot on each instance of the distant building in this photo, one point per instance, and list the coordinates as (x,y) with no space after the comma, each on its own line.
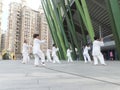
(0,21)
(30,24)
(23,23)
(6,40)
(2,41)
(14,27)
(45,32)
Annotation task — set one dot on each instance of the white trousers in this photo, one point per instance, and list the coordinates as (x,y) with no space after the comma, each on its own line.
(70,59)
(39,55)
(56,59)
(87,57)
(49,58)
(100,58)
(26,58)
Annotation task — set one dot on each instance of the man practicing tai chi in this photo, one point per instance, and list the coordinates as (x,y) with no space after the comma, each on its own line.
(54,54)
(38,54)
(86,54)
(48,55)
(25,52)
(69,55)
(96,52)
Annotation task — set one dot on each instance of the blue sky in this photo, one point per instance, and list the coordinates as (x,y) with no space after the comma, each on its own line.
(34,4)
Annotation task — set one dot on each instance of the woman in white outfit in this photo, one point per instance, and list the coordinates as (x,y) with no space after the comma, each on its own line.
(69,55)
(54,54)
(86,54)
(38,54)
(48,55)
(25,52)
(96,52)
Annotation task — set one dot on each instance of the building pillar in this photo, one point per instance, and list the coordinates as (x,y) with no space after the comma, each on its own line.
(114,14)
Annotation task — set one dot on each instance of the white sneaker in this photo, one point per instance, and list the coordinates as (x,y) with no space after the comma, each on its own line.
(95,64)
(54,62)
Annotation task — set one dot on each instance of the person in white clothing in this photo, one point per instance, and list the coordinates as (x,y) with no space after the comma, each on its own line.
(54,54)
(96,52)
(25,52)
(38,54)
(86,54)
(69,55)
(48,55)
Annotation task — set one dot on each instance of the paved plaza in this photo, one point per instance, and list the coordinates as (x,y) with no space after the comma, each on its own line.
(65,76)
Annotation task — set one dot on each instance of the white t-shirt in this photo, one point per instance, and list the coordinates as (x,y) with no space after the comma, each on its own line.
(36,45)
(96,47)
(54,50)
(25,48)
(69,52)
(85,51)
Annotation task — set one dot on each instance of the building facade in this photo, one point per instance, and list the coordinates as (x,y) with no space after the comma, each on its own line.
(30,24)
(14,27)
(45,32)
(3,42)
(6,40)
(23,23)
(0,21)
(82,20)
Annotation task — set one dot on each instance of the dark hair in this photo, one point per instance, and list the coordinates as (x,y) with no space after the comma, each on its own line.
(95,38)
(25,41)
(35,35)
(54,45)
(86,44)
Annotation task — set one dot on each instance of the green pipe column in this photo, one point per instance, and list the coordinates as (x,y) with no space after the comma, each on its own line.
(83,11)
(88,20)
(52,26)
(58,25)
(72,46)
(82,30)
(58,30)
(71,29)
(114,14)
(78,44)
